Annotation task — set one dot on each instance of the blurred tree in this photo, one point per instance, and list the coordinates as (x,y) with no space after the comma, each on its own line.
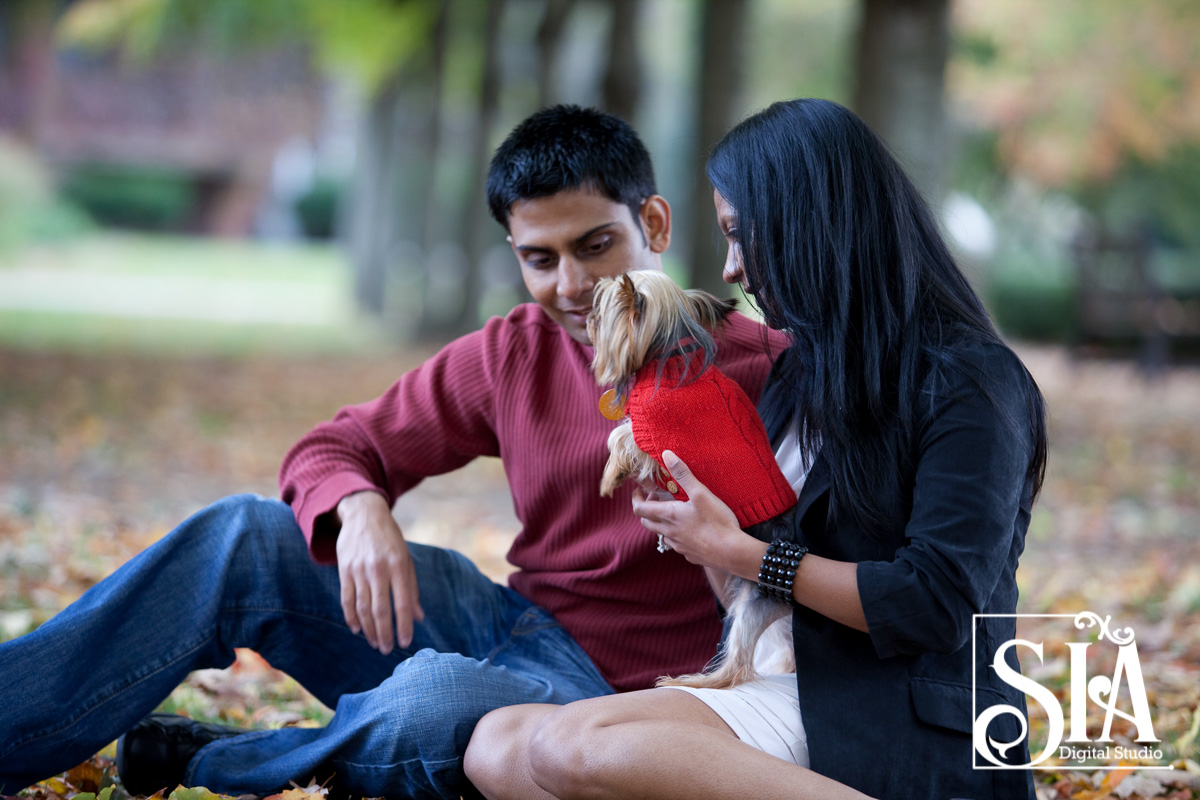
(555,14)
(623,75)
(390,221)
(900,51)
(1074,95)
(394,49)
(26,33)
(432,73)
(1159,194)
(439,53)
(800,50)
(722,59)
(370,216)
(417,59)
(900,57)
(474,209)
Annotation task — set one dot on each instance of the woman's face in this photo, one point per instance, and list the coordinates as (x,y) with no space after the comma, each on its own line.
(734,271)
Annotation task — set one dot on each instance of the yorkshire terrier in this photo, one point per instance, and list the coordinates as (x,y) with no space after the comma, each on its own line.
(654,345)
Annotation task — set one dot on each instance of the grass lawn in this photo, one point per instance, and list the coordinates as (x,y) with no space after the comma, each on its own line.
(172,294)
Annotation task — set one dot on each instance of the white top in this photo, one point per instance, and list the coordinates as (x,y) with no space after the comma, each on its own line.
(791,459)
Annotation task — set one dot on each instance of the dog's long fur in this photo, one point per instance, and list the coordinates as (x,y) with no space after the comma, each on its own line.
(639,318)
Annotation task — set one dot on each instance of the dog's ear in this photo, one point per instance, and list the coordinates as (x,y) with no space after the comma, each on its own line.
(709,310)
(632,302)
(613,326)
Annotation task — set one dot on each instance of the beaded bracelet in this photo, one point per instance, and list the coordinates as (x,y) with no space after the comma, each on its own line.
(777,574)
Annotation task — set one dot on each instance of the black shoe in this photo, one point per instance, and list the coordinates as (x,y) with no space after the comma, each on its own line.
(154,754)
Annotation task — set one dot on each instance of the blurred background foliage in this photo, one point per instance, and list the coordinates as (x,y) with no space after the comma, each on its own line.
(1061,143)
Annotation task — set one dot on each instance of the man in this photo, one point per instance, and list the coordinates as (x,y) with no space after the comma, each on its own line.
(410,644)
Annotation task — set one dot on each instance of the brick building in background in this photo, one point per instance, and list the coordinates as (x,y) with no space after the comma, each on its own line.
(217,122)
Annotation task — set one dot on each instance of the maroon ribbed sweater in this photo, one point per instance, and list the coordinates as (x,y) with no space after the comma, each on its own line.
(522,390)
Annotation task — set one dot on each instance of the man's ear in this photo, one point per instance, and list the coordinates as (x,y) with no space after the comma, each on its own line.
(655,217)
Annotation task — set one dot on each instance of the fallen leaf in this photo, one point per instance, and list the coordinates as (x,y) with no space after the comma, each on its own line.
(57,786)
(1185,742)
(86,778)
(196,793)
(1114,777)
(1092,794)
(1142,784)
(304,794)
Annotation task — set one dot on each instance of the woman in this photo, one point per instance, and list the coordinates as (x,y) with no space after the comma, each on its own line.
(926,444)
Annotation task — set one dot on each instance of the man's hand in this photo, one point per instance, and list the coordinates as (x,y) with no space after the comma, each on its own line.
(376,572)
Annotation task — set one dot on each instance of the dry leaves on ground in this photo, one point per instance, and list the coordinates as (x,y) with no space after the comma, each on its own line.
(101,455)
(96,779)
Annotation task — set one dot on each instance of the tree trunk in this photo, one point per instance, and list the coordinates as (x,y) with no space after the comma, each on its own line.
(479,220)
(428,211)
(375,199)
(900,66)
(26,60)
(623,76)
(549,37)
(722,55)
(430,228)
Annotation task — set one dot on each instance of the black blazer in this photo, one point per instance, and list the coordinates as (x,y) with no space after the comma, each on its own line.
(890,712)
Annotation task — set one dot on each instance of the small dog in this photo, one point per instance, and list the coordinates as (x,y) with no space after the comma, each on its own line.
(654,344)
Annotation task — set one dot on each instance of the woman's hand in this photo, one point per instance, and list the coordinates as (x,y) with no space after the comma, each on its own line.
(703,529)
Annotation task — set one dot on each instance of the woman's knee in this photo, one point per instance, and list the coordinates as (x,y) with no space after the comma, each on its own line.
(562,751)
(497,753)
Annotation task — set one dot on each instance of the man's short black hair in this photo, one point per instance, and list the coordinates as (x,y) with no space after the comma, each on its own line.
(567,147)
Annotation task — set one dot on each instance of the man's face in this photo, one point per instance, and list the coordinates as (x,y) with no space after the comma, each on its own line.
(568,241)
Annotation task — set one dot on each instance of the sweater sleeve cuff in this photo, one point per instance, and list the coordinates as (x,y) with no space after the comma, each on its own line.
(316,512)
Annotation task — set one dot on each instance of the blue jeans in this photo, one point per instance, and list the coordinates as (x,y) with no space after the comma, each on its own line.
(238,574)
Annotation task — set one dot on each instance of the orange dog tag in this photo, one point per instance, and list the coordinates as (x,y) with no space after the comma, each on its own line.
(611,407)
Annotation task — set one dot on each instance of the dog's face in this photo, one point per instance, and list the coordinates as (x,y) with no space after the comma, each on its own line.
(618,327)
(643,314)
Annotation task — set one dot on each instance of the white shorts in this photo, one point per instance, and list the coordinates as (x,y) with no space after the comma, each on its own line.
(764,713)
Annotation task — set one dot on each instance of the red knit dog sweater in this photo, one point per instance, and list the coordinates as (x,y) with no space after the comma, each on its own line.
(713,427)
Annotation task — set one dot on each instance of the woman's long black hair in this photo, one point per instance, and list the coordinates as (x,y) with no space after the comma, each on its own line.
(843,253)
